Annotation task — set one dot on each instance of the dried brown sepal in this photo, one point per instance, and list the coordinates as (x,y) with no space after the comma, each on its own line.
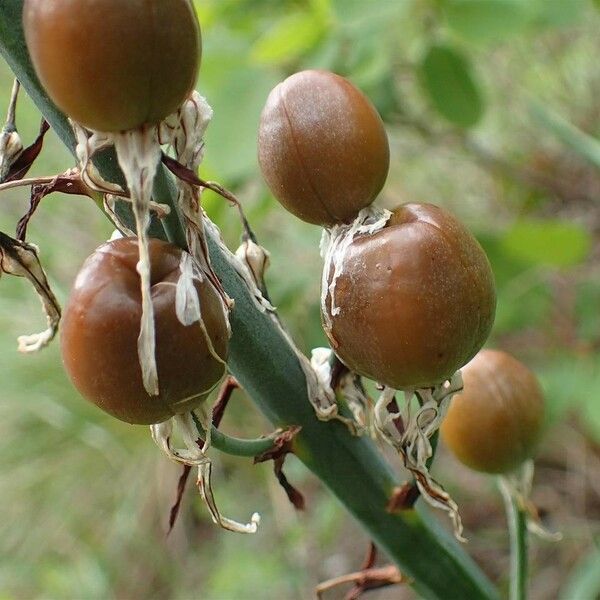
(21,259)
(375,578)
(282,446)
(182,172)
(403,497)
(370,557)
(229,385)
(367,578)
(398,423)
(225,392)
(182,482)
(338,370)
(294,495)
(20,167)
(69,182)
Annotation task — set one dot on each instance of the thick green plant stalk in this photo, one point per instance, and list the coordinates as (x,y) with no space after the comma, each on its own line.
(266,366)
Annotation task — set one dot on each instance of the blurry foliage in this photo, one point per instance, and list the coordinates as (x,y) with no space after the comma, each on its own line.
(449,83)
(584,145)
(491,108)
(584,583)
(547,242)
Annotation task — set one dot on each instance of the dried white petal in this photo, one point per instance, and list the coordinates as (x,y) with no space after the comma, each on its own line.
(256,258)
(10,142)
(409,431)
(242,269)
(184,130)
(205,487)
(187,302)
(86,146)
(109,201)
(21,259)
(138,152)
(195,455)
(334,247)
(349,387)
(10,150)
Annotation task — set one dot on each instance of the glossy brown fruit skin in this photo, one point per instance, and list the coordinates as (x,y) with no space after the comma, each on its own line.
(417,300)
(101,324)
(114,65)
(493,425)
(322,147)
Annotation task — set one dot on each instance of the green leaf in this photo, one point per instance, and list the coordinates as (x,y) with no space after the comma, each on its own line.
(585,145)
(548,242)
(485,20)
(448,80)
(288,39)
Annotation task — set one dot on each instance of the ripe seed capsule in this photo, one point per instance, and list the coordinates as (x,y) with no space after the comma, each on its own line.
(101,325)
(114,65)
(414,301)
(322,147)
(494,424)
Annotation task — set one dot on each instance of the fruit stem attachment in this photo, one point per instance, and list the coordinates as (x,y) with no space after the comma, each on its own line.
(236,446)
(516,515)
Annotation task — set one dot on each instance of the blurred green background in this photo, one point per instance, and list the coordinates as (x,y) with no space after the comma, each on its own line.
(492,111)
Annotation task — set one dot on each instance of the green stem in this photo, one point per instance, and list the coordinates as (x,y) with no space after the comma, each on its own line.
(163,193)
(235,446)
(517,527)
(265,364)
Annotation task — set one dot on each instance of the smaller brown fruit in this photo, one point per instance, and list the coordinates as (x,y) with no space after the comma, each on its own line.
(494,424)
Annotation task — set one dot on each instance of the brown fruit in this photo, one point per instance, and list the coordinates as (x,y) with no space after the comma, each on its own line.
(494,424)
(416,299)
(322,147)
(114,65)
(101,325)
